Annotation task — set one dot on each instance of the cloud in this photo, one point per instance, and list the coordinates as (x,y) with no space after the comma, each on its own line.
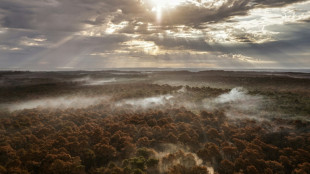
(193,15)
(275,3)
(33,42)
(53,15)
(126,33)
(8,48)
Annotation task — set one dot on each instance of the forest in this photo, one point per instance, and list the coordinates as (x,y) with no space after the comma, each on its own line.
(177,122)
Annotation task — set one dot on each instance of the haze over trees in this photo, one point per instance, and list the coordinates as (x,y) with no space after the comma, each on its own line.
(136,124)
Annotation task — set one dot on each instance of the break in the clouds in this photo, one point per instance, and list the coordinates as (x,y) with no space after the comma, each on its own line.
(88,34)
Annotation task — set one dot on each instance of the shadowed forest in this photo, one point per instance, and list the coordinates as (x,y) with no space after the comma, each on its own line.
(177,122)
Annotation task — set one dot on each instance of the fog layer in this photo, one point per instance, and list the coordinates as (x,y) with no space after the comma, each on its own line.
(58,102)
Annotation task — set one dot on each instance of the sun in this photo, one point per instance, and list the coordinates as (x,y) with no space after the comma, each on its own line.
(167,3)
(159,5)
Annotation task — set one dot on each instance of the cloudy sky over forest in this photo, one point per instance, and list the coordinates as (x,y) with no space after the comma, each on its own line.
(94,34)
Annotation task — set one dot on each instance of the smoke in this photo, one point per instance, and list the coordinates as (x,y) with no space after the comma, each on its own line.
(237,104)
(173,155)
(93,82)
(146,103)
(182,90)
(126,73)
(186,159)
(58,102)
(100,82)
(84,102)
(235,95)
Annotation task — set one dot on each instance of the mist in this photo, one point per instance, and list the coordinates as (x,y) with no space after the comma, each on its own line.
(63,102)
(173,154)
(145,103)
(88,81)
(237,94)
(106,122)
(100,82)
(237,104)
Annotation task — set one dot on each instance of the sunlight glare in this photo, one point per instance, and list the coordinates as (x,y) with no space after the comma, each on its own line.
(159,5)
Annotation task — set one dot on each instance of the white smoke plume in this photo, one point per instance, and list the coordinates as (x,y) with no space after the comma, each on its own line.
(100,82)
(58,102)
(146,103)
(237,104)
(177,154)
(92,82)
(182,90)
(235,95)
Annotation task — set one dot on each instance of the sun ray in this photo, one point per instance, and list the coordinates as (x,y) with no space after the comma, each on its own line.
(160,5)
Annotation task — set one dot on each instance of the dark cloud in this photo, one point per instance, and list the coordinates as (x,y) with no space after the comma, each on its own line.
(275,3)
(193,15)
(47,16)
(306,20)
(179,43)
(70,15)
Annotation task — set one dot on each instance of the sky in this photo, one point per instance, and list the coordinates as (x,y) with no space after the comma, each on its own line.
(99,34)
